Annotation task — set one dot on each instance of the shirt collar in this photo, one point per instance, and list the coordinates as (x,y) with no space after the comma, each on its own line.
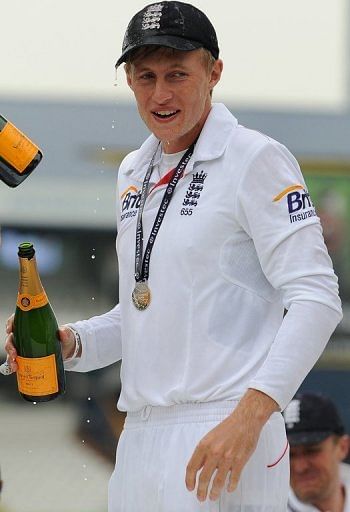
(211,143)
(296,505)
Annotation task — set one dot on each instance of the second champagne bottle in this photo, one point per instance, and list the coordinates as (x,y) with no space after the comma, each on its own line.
(19,156)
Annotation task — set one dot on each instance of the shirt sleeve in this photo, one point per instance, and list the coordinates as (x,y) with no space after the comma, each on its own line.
(275,209)
(100,335)
(101,342)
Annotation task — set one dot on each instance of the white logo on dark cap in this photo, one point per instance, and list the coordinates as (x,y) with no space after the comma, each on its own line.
(152,17)
(292,413)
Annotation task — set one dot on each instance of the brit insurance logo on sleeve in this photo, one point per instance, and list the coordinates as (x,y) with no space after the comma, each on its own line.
(298,202)
(130,202)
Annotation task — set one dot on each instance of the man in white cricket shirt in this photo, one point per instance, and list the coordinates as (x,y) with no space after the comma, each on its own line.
(320,481)
(217,236)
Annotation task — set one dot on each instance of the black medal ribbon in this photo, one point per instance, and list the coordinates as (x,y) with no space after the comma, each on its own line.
(139,228)
(142,264)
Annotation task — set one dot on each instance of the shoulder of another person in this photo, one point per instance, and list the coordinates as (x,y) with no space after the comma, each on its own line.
(302,508)
(345,477)
(345,471)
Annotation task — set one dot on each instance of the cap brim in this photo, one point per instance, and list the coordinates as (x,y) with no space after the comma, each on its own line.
(178,43)
(298,438)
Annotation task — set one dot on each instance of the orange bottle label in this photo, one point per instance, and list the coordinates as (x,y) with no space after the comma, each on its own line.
(16,148)
(26,302)
(37,376)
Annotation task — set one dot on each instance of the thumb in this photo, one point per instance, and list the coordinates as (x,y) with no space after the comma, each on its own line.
(65,334)
(67,339)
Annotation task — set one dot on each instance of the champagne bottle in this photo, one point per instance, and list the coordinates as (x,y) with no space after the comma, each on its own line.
(18,155)
(40,374)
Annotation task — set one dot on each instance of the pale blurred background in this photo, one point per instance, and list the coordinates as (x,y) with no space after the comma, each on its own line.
(286,73)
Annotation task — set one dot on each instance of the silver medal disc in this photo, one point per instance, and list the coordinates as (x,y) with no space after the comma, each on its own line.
(141,295)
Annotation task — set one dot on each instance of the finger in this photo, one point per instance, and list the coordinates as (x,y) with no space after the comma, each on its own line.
(9,324)
(11,353)
(11,361)
(9,344)
(234,478)
(219,481)
(13,365)
(204,479)
(194,465)
(10,347)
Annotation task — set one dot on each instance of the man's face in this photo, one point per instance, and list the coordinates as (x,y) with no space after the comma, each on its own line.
(315,468)
(172,92)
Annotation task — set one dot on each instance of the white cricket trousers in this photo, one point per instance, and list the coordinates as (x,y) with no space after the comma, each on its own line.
(156,445)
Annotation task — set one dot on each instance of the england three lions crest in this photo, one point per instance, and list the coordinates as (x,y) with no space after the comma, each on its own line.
(193,193)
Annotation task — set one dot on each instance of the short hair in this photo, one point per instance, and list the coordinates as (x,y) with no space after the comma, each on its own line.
(145,51)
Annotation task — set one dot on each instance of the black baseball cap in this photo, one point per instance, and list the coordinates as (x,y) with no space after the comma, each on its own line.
(310,418)
(172,24)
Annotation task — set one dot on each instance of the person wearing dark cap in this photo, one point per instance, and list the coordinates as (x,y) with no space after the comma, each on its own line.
(318,445)
(217,236)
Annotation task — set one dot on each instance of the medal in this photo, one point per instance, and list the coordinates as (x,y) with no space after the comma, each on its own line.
(141,295)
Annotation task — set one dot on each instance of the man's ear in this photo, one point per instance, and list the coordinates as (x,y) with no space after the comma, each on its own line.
(344,446)
(215,73)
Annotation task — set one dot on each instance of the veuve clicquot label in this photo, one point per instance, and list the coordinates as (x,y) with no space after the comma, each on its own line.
(26,301)
(16,148)
(37,376)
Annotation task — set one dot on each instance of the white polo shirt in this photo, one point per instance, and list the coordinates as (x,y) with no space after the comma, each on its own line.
(240,243)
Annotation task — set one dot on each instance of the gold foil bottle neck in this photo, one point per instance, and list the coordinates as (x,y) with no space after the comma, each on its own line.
(29,280)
